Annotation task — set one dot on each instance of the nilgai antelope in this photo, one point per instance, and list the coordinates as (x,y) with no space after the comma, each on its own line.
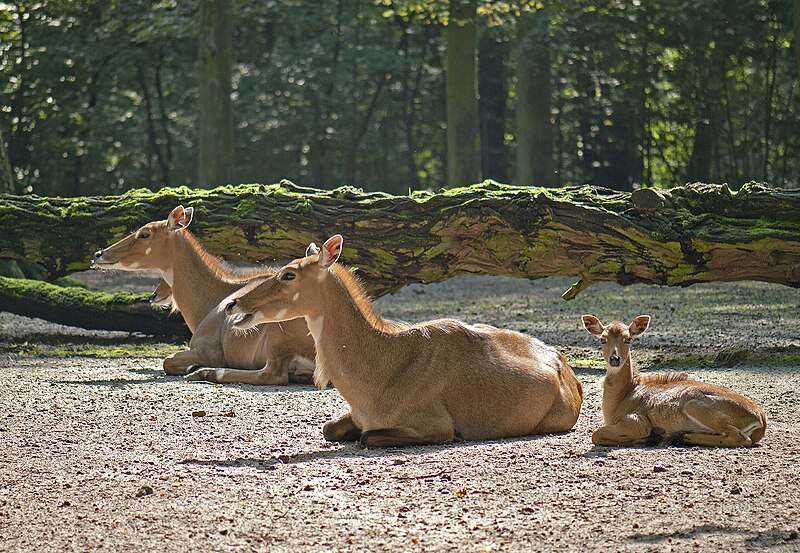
(637,407)
(200,284)
(408,384)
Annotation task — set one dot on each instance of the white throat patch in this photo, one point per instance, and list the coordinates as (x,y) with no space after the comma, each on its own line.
(315,327)
(168,276)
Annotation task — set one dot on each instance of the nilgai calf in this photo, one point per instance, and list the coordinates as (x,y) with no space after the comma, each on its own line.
(637,407)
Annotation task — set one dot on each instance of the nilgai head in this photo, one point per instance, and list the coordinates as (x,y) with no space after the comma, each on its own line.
(294,291)
(147,248)
(615,337)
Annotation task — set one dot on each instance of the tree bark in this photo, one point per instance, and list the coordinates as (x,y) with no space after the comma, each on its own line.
(534,130)
(796,28)
(492,78)
(93,310)
(463,141)
(699,168)
(215,112)
(696,233)
(7,183)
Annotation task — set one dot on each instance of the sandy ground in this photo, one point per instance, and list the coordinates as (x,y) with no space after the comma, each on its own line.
(109,454)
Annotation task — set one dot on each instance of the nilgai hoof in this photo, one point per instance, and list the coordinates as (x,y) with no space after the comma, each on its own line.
(202,375)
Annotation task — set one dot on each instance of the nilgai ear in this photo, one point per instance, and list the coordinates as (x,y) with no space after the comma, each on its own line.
(188,213)
(639,325)
(312,249)
(331,250)
(180,217)
(592,324)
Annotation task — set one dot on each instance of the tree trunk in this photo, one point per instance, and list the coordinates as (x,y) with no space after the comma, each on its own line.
(7,184)
(463,142)
(796,19)
(534,130)
(697,233)
(699,168)
(215,116)
(492,77)
(94,310)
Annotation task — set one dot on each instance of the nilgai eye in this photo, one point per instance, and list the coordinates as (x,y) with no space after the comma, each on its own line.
(603,340)
(626,340)
(144,234)
(288,276)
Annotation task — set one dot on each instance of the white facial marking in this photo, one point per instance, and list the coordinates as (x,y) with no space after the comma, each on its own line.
(315,327)
(280,314)
(147,251)
(134,265)
(297,295)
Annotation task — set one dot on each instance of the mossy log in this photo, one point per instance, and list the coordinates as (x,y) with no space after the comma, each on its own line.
(690,234)
(76,306)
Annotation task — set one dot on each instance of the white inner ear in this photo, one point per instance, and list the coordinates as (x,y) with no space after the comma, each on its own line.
(175,217)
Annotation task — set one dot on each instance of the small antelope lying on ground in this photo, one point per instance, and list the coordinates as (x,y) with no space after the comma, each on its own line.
(413,384)
(636,406)
(199,284)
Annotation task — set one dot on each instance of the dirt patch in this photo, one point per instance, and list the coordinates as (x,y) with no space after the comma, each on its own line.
(107,453)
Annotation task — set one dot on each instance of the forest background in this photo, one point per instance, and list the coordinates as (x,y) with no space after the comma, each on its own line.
(100,96)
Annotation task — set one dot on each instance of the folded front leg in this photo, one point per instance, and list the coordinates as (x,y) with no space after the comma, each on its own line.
(388,437)
(343,429)
(629,430)
(733,437)
(259,377)
(184,361)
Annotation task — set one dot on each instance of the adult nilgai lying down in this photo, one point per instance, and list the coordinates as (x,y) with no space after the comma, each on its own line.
(413,384)
(200,284)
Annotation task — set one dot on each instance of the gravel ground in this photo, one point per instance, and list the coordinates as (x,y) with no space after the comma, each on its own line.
(109,454)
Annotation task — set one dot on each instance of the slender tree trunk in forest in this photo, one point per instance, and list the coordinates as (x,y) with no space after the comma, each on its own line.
(463,139)
(215,111)
(492,78)
(534,100)
(771,77)
(796,18)
(7,184)
(18,140)
(699,168)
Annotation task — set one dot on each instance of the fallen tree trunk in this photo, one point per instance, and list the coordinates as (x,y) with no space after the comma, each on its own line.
(696,233)
(76,306)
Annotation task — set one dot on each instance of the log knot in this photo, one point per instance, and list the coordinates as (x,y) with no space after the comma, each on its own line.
(650,199)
